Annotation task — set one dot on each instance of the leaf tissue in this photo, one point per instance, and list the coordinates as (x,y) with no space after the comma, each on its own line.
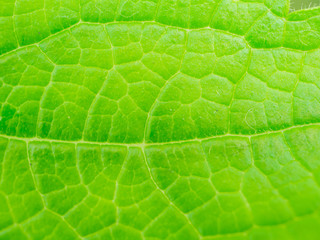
(159,119)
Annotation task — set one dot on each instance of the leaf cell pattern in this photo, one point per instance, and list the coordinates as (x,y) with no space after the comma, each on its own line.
(159,120)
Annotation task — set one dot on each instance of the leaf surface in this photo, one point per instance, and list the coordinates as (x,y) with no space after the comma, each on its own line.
(159,120)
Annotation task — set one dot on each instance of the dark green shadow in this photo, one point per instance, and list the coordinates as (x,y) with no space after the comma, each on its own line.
(303,4)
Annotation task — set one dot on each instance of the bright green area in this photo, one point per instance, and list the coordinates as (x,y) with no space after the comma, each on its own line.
(194,119)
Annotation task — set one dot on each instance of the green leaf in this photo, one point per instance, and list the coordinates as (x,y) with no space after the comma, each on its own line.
(173,119)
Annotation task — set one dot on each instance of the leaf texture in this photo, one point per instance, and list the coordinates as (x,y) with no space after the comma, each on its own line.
(192,119)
